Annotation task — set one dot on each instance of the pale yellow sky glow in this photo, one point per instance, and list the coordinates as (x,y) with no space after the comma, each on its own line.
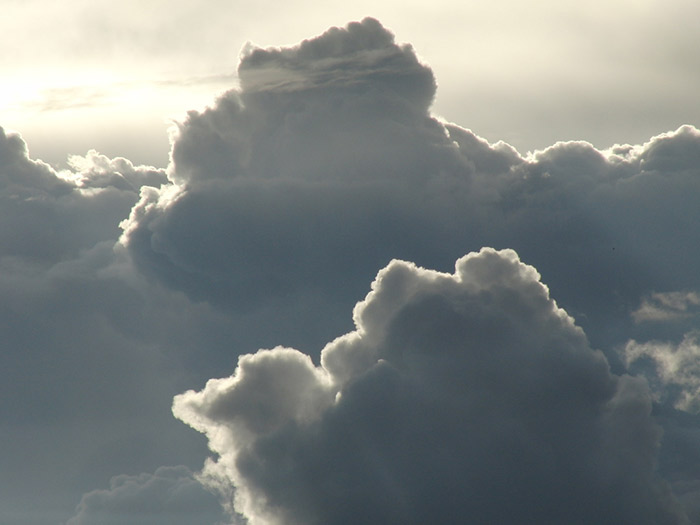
(529,73)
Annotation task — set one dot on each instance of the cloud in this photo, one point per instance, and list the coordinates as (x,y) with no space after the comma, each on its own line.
(280,203)
(69,98)
(458,396)
(86,368)
(359,56)
(326,162)
(171,495)
(667,306)
(48,215)
(675,368)
(98,171)
(280,186)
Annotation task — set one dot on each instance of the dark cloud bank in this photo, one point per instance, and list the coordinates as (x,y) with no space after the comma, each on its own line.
(458,394)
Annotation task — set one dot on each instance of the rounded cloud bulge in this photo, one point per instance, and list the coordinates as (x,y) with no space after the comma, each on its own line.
(459,398)
(314,111)
(326,160)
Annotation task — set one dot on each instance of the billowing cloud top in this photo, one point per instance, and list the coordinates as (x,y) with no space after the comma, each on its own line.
(312,111)
(466,397)
(363,55)
(278,188)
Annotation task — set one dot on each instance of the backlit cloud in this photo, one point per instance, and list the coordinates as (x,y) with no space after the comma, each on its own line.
(675,368)
(468,396)
(453,396)
(279,186)
(169,496)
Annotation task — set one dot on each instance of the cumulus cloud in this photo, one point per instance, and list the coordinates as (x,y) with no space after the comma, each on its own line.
(171,495)
(674,367)
(48,215)
(327,160)
(121,285)
(83,372)
(466,396)
(274,190)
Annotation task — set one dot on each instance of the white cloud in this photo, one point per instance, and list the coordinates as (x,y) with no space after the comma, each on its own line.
(171,495)
(459,396)
(675,366)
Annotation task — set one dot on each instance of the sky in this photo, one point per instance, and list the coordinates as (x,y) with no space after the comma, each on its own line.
(107,76)
(286,264)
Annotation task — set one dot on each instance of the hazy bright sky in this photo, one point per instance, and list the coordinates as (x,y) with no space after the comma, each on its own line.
(83,74)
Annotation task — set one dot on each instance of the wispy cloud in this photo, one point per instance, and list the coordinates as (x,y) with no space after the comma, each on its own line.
(667,306)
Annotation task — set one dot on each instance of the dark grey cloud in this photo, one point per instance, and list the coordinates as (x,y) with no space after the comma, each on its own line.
(86,370)
(48,216)
(679,458)
(288,193)
(340,168)
(468,397)
(122,285)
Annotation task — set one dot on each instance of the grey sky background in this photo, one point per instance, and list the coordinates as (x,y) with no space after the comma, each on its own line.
(450,327)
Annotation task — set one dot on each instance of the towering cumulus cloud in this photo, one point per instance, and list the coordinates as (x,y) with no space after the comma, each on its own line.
(463,398)
(280,182)
(328,162)
(453,395)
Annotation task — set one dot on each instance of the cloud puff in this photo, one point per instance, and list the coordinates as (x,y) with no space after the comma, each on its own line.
(170,495)
(280,186)
(674,368)
(340,92)
(466,396)
(48,215)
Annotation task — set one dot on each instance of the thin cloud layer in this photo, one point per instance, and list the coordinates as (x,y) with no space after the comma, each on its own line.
(667,306)
(464,397)
(169,496)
